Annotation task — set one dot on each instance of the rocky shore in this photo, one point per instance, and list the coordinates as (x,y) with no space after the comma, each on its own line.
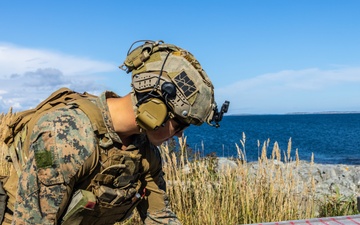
(329,178)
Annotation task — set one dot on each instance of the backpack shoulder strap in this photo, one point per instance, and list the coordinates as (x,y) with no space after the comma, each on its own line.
(22,118)
(55,98)
(94,114)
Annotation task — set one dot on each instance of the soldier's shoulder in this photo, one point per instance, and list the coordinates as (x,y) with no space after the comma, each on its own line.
(67,112)
(65,121)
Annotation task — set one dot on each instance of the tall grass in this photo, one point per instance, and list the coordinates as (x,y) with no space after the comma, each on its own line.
(251,192)
(4,120)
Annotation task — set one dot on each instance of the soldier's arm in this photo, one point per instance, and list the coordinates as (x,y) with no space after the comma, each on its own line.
(60,143)
(155,208)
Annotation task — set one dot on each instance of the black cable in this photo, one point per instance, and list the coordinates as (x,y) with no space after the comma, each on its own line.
(140,45)
(150,94)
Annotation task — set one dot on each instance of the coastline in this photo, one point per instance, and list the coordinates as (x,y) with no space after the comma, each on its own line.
(329,179)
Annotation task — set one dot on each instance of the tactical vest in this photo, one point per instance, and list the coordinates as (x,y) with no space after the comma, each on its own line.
(114,189)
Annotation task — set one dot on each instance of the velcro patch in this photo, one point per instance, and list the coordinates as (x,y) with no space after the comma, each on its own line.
(44,158)
(187,86)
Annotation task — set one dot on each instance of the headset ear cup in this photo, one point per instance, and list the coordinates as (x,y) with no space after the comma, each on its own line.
(151,114)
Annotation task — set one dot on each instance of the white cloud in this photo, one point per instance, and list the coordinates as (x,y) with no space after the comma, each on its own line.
(28,75)
(15,59)
(296,91)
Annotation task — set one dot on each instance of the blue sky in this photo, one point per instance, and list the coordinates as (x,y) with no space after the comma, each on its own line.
(269,56)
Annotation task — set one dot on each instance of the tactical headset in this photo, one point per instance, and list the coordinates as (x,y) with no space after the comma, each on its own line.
(152,110)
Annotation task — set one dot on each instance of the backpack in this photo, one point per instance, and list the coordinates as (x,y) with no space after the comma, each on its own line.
(21,125)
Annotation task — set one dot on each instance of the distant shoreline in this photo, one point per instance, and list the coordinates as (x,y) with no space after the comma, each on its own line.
(295,113)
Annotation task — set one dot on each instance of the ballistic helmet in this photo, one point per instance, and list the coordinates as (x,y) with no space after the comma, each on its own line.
(168,82)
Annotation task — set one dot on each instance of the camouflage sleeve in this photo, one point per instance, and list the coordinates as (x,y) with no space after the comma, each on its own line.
(60,143)
(155,208)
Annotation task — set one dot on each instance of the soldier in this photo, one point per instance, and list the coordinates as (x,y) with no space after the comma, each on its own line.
(95,162)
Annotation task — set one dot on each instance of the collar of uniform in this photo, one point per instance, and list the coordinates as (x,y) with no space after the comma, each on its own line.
(101,101)
(139,140)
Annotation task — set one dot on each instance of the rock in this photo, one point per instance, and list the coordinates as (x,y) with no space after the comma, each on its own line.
(329,178)
(224,164)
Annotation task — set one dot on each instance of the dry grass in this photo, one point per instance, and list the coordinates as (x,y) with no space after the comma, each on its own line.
(4,120)
(257,192)
(249,193)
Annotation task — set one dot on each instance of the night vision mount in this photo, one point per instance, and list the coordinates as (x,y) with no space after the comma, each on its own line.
(217,116)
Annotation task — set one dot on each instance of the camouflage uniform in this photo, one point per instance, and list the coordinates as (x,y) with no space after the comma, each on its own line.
(63,158)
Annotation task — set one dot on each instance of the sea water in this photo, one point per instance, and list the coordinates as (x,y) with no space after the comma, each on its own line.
(332,138)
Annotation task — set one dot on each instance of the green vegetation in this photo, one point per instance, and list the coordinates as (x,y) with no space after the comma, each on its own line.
(338,205)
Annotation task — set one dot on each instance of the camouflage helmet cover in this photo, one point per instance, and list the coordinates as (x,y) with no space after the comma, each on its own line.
(155,63)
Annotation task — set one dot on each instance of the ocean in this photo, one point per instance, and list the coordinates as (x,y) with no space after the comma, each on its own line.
(332,138)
